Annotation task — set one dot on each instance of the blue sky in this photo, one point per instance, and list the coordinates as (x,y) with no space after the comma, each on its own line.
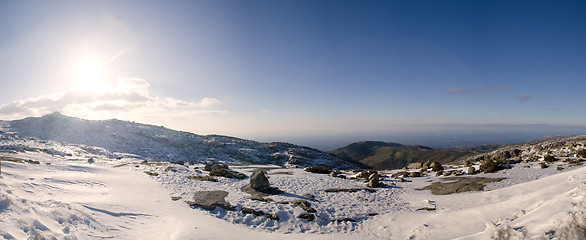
(252,68)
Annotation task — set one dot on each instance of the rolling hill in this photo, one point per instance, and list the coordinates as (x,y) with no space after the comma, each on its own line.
(389,155)
(156,143)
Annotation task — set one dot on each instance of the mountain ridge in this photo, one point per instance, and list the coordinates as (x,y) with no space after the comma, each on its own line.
(157,143)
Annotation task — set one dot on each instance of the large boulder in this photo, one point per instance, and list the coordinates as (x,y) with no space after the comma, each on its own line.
(259,180)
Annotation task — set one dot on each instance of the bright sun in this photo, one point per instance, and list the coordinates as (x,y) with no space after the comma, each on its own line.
(89,76)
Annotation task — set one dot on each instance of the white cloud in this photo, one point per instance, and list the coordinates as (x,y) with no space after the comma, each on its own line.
(498,89)
(524,97)
(460,91)
(128,98)
(208,102)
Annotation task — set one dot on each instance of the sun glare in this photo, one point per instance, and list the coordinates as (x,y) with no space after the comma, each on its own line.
(89,76)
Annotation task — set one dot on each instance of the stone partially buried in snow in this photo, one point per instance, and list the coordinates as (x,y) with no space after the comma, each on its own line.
(258,180)
(210,199)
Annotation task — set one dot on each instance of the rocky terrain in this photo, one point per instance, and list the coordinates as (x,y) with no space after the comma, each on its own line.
(156,143)
(62,190)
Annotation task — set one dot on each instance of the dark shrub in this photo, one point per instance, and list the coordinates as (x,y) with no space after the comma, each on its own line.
(319,169)
(581,153)
(549,158)
(489,166)
(436,167)
(543,165)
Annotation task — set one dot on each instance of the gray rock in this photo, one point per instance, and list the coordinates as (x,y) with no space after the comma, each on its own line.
(415,165)
(471,170)
(258,180)
(209,200)
(415,174)
(374,181)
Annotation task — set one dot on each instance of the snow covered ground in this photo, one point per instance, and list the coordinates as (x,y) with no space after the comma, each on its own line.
(66,197)
(77,200)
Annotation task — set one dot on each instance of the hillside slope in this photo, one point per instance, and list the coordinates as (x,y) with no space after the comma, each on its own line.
(383,155)
(45,195)
(162,144)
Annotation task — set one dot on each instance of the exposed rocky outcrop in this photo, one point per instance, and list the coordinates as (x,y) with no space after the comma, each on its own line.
(203,178)
(459,184)
(259,180)
(209,200)
(415,165)
(221,172)
(156,143)
(374,181)
(214,166)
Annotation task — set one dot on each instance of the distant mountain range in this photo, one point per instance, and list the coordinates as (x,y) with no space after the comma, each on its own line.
(157,143)
(389,155)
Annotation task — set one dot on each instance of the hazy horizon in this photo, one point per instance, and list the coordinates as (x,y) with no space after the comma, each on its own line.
(308,68)
(435,136)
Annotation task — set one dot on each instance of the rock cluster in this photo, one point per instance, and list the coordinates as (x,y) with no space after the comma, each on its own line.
(374,181)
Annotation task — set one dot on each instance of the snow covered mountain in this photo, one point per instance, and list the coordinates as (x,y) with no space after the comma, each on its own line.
(55,190)
(158,143)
